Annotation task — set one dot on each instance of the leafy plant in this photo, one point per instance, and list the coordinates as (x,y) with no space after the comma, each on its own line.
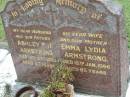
(60,76)
(47,93)
(61,73)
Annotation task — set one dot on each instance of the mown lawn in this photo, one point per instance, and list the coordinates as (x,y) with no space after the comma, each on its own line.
(125,3)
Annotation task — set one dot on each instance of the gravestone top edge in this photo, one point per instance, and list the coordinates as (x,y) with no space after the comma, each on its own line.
(113,7)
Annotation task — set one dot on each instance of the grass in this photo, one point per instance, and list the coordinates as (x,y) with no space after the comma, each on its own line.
(2,33)
(126,7)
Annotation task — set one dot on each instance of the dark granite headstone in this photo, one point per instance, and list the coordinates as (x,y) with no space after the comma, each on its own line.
(88,35)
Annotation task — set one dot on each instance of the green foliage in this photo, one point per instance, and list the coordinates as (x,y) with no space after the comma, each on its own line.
(2,6)
(2,33)
(126,7)
(60,76)
(61,73)
(56,86)
(47,93)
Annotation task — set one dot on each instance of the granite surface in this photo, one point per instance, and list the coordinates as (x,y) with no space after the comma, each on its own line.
(87,35)
(8,75)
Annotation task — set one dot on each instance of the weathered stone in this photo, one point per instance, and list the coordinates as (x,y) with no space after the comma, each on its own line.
(129,57)
(88,35)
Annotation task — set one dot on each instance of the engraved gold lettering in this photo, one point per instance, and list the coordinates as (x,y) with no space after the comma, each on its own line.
(97,58)
(14,14)
(26,43)
(68,40)
(73,4)
(36,37)
(84,56)
(27,62)
(26,6)
(70,47)
(93,42)
(95,49)
(100,72)
(95,35)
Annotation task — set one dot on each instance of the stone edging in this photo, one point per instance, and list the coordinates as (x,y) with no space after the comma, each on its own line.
(4,45)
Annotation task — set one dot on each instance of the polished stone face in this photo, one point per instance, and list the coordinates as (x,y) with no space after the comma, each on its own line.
(88,36)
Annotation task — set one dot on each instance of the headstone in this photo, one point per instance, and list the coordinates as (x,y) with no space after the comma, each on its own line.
(87,35)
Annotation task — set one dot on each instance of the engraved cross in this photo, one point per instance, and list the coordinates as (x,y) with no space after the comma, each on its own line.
(52,12)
